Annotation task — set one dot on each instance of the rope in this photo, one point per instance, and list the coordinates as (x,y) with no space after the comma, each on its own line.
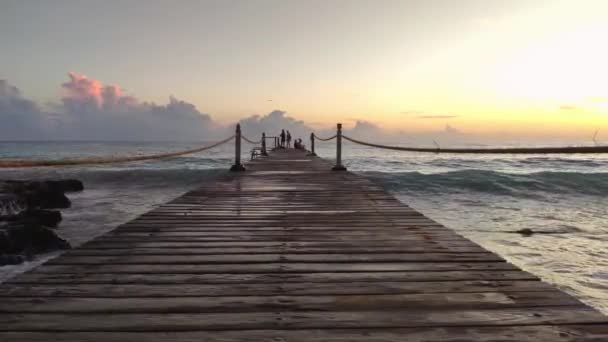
(327,139)
(13,163)
(251,141)
(508,150)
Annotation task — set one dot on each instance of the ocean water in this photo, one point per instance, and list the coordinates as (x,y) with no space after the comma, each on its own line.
(483,197)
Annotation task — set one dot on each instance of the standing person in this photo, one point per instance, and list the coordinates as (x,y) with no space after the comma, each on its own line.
(288,139)
(283,138)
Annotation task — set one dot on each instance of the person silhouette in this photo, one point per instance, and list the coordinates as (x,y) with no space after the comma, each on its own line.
(282,138)
(288,139)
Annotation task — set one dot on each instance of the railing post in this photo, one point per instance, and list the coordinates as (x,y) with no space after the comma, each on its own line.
(339,166)
(237,150)
(312,145)
(264,153)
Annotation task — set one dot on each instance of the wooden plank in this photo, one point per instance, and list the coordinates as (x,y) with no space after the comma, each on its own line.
(223,278)
(253,289)
(128,249)
(287,238)
(273,258)
(535,333)
(448,301)
(98,243)
(218,228)
(279,267)
(299,320)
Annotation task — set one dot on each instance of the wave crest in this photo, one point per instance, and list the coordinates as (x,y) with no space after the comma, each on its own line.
(497,183)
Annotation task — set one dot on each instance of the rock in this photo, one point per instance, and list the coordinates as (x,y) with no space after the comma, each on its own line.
(47,200)
(25,225)
(66,185)
(29,238)
(45,240)
(48,218)
(525,232)
(11,259)
(43,194)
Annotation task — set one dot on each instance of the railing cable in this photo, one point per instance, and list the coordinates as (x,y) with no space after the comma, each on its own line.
(251,141)
(19,163)
(326,139)
(506,150)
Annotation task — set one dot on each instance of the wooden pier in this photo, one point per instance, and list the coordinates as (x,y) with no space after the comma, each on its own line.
(287,251)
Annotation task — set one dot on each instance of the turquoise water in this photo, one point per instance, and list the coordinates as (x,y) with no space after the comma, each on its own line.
(485,198)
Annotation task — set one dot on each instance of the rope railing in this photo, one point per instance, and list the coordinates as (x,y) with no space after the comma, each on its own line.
(22,163)
(492,150)
(251,141)
(325,139)
(504,150)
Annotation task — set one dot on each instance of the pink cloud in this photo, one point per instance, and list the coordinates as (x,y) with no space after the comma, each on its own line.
(83,89)
(80,87)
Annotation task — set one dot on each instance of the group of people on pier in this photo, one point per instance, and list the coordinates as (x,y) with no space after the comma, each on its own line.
(285,141)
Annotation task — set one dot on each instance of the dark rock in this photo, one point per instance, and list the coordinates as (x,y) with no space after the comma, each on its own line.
(44,194)
(29,238)
(11,259)
(25,227)
(525,232)
(66,185)
(48,218)
(47,200)
(5,241)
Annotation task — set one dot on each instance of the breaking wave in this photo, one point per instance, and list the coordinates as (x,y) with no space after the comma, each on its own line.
(496,183)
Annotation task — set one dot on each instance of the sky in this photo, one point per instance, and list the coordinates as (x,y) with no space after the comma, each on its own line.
(484,68)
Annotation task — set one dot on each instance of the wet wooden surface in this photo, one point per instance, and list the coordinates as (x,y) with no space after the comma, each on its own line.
(287,251)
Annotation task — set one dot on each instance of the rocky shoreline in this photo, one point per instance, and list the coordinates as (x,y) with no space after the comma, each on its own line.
(29,217)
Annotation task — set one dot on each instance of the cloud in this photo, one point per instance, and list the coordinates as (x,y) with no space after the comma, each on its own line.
(436,116)
(81,88)
(272,124)
(90,110)
(20,118)
(364,129)
(568,107)
(424,115)
(84,91)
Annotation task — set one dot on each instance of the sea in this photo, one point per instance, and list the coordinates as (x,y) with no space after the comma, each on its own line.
(486,198)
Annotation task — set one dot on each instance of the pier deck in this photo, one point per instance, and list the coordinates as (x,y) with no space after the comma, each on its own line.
(287,251)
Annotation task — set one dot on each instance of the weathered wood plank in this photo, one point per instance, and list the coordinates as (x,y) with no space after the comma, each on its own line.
(273,258)
(335,245)
(134,249)
(253,289)
(535,333)
(280,267)
(449,301)
(300,320)
(274,278)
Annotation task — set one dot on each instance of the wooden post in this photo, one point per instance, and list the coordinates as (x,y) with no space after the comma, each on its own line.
(339,166)
(237,151)
(264,153)
(312,145)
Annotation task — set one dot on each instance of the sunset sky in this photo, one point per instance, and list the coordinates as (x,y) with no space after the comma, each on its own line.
(529,67)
